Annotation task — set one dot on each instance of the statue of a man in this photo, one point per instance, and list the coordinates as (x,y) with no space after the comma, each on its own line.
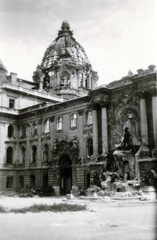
(127,139)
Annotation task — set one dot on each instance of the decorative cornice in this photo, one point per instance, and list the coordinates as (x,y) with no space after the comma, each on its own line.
(153,92)
(39,122)
(94,106)
(144,94)
(104,103)
(80,112)
(52,118)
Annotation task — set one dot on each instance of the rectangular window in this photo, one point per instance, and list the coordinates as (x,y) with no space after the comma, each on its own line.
(59,123)
(47,125)
(10,182)
(11,103)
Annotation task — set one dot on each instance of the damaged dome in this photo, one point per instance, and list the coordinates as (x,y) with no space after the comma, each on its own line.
(65,49)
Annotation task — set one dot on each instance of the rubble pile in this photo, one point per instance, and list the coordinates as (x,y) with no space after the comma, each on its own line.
(40,191)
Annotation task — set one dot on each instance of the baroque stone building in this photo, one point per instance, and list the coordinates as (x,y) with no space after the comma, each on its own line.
(61,129)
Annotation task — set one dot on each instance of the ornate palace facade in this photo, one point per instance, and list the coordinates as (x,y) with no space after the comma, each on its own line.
(61,129)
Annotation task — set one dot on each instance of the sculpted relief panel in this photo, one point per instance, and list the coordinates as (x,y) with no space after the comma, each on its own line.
(126,116)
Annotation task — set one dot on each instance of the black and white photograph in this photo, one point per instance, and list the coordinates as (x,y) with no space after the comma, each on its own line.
(78,120)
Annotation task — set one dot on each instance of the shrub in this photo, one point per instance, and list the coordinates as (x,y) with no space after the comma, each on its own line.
(61,207)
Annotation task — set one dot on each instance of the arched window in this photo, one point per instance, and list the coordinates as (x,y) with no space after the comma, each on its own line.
(46,153)
(23,131)
(34,129)
(21,181)
(89,147)
(34,153)
(89,117)
(9,155)
(46,126)
(59,123)
(23,151)
(10,182)
(73,120)
(10,131)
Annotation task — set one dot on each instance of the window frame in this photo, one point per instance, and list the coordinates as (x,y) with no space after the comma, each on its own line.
(34,154)
(9,155)
(46,126)
(73,120)
(11,103)
(59,123)
(10,182)
(46,153)
(89,147)
(10,131)
(23,154)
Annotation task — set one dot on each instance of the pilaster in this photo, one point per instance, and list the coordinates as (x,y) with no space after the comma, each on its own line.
(80,127)
(95,130)
(154,113)
(104,105)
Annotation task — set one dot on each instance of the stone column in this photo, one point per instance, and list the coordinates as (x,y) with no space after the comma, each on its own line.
(104,128)
(95,131)
(143,152)
(41,81)
(83,79)
(18,157)
(154,113)
(143,117)
(80,127)
(89,81)
(28,149)
(39,150)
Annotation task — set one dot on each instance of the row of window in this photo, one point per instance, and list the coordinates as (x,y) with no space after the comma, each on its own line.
(46,129)
(10,153)
(10,181)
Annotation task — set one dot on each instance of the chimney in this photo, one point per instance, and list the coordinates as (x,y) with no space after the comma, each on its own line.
(152,68)
(140,71)
(13,77)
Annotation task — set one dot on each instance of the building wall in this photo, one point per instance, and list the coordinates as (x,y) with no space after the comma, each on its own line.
(112,110)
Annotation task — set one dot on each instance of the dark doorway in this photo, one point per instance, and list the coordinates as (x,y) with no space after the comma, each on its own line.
(65,176)
(32,180)
(88,180)
(45,180)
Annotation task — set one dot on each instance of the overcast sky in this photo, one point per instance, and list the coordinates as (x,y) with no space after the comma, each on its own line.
(117,35)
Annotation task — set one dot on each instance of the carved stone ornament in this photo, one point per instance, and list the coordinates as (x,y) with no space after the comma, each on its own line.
(80,112)
(65,78)
(70,148)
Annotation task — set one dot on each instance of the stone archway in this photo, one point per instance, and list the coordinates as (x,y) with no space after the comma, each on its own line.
(65,175)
